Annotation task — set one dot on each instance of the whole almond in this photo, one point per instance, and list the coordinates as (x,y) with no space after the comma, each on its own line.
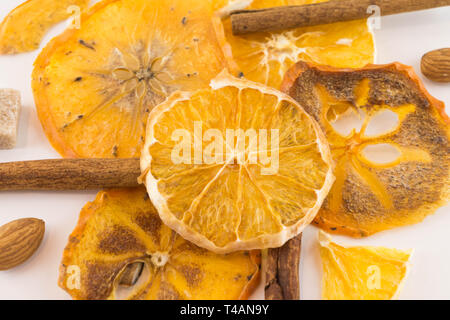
(436,65)
(19,239)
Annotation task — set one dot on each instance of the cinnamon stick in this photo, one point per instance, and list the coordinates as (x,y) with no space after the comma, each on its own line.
(279,18)
(282,273)
(69,174)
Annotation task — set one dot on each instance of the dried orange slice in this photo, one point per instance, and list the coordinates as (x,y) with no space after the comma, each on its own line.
(121,232)
(23,28)
(362,273)
(95,86)
(265,57)
(239,166)
(401,188)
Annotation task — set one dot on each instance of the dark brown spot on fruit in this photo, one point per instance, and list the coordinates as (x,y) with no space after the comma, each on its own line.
(99,279)
(85,44)
(192,273)
(120,240)
(151,224)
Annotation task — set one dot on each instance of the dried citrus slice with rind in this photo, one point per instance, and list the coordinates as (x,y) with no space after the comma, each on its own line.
(265,57)
(94,87)
(362,273)
(120,228)
(369,196)
(237,201)
(23,28)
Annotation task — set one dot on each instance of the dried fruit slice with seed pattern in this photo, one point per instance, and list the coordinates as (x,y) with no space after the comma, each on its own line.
(362,273)
(265,57)
(254,195)
(370,196)
(122,228)
(23,28)
(95,87)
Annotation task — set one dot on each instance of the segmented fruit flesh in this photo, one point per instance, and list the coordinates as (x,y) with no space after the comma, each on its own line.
(362,273)
(369,196)
(23,28)
(121,228)
(94,87)
(237,201)
(265,57)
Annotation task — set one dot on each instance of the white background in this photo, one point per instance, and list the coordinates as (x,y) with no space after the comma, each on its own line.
(403,38)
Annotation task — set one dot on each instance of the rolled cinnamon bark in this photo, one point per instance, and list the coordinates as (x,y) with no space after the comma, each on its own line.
(280,18)
(69,174)
(282,273)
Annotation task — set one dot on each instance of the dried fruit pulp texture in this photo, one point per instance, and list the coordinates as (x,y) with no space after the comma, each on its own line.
(239,200)
(370,196)
(95,87)
(23,29)
(122,227)
(265,57)
(362,273)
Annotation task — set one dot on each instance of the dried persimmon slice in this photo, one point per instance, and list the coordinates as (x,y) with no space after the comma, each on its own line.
(370,195)
(265,57)
(121,229)
(94,87)
(238,166)
(23,28)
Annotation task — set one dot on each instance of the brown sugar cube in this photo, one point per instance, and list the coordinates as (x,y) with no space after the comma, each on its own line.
(9,117)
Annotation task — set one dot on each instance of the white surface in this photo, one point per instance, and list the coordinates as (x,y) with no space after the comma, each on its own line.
(402,38)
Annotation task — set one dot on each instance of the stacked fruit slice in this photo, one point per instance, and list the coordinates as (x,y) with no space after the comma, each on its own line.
(95,86)
(23,28)
(120,231)
(372,195)
(362,273)
(261,188)
(265,57)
